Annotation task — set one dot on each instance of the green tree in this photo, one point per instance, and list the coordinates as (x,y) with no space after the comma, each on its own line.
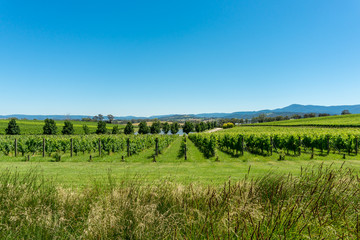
(115,130)
(13,128)
(197,127)
(86,129)
(101,128)
(100,117)
(143,128)
(345,112)
(155,127)
(188,127)
(110,117)
(166,127)
(174,127)
(49,127)
(203,126)
(68,128)
(129,128)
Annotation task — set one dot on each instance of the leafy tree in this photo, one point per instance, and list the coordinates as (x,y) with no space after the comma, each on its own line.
(86,129)
(110,117)
(68,128)
(143,128)
(129,129)
(261,118)
(296,116)
(200,127)
(188,127)
(174,127)
(155,127)
(166,127)
(197,127)
(203,126)
(345,112)
(13,128)
(100,117)
(49,127)
(115,130)
(86,119)
(309,115)
(101,128)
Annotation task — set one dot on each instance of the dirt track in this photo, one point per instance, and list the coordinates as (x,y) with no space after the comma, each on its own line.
(214,130)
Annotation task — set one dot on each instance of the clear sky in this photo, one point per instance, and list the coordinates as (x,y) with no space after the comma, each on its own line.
(159,57)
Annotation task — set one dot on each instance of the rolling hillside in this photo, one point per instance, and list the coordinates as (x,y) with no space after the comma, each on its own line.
(351,120)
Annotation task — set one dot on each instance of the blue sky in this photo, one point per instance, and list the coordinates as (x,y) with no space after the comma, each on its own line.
(159,57)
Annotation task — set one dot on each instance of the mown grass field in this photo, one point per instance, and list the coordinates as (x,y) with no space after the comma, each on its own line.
(35,127)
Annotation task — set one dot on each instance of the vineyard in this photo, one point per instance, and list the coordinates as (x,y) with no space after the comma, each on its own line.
(256,129)
(283,141)
(351,120)
(92,145)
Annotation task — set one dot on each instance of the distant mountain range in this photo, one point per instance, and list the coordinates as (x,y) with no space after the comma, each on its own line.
(286,111)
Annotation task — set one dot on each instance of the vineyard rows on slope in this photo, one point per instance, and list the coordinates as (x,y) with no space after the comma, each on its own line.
(265,143)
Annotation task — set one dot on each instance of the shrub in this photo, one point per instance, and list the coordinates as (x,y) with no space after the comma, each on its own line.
(115,130)
(101,128)
(129,128)
(49,127)
(13,128)
(228,125)
(155,127)
(143,128)
(68,128)
(86,129)
(174,128)
(188,127)
(166,128)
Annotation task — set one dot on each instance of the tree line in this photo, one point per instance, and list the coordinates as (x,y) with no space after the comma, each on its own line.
(50,127)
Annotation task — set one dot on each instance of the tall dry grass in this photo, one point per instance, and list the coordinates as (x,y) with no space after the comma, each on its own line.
(321,203)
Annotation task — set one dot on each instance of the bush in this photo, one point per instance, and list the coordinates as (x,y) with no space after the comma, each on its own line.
(166,128)
(143,128)
(68,128)
(174,128)
(228,125)
(101,128)
(155,127)
(57,157)
(188,127)
(115,130)
(49,127)
(13,128)
(86,129)
(129,128)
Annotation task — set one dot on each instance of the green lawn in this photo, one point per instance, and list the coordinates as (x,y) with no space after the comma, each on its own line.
(78,172)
